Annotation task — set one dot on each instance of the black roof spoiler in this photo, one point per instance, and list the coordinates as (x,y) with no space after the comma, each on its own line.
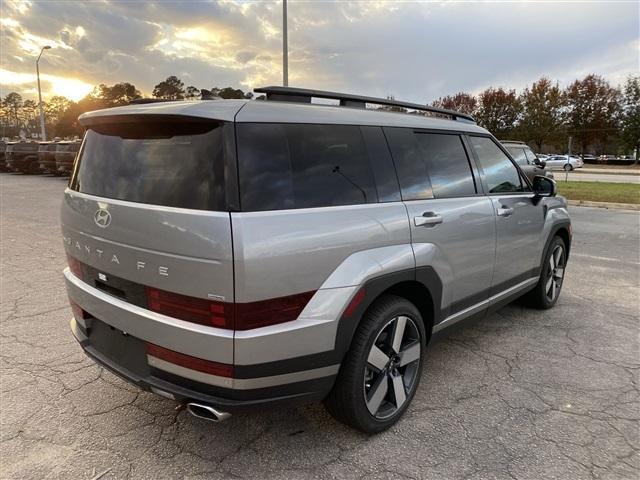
(304,95)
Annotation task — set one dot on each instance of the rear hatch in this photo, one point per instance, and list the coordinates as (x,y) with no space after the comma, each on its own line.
(146,217)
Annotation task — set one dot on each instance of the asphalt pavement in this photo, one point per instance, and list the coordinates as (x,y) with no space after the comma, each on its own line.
(522,394)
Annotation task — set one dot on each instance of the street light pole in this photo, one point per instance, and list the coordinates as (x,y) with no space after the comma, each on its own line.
(285,46)
(43,132)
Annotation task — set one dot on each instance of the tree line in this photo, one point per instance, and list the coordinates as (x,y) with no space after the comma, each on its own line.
(61,114)
(599,117)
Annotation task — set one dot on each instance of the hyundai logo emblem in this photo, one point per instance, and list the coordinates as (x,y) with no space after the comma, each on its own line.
(102,218)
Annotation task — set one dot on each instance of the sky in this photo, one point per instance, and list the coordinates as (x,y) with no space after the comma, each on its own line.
(415,51)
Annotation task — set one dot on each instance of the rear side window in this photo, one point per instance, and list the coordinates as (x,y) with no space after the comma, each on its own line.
(447,164)
(410,164)
(284,166)
(498,173)
(530,155)
(518,155)
(174,164)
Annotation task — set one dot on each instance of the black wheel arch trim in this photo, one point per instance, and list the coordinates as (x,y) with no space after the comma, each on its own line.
(373,288)
(557,227)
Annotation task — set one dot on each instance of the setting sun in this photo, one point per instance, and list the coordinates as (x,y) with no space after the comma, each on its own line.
(71,88)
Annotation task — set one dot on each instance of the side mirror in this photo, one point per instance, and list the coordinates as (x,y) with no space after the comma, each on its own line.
(544,186)
(540,163)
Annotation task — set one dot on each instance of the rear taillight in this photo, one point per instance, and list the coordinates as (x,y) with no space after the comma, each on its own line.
(270,312)
(75,266)
(238,316)
(191,309)
(187,361)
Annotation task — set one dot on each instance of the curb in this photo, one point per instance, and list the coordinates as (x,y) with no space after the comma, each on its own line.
(618,206)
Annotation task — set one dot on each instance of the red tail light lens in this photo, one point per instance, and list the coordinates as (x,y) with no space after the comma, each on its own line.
(191,309)
(270,312)
(75,266)
(241,316)
(187,361)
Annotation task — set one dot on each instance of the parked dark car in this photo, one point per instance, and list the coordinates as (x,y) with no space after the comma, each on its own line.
(5,156)
(47,157)
(22,157)
(3,147)
(588,158)
(65,156)
(530,164)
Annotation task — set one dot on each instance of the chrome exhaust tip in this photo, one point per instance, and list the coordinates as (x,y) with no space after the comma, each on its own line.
(207,412)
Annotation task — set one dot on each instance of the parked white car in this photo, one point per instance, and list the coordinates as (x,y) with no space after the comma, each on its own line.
(564,161)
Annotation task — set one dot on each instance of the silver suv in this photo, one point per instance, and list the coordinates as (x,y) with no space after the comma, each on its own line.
(235,254)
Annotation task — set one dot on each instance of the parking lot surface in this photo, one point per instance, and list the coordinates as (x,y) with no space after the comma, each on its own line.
(521,394)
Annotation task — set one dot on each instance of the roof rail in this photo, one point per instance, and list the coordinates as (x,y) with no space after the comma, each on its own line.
(142,101)
(304,95)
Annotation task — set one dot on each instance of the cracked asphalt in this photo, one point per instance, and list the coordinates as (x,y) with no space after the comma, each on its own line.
(522,394)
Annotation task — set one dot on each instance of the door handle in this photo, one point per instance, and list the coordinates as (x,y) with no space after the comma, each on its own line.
(505,211)
(427,219)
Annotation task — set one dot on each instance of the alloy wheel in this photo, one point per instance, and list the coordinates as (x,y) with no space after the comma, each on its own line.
(555,273)
(392,367)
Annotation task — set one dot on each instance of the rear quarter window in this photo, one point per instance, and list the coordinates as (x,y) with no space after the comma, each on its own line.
(287,166)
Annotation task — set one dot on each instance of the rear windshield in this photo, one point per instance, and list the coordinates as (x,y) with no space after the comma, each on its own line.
(174,164)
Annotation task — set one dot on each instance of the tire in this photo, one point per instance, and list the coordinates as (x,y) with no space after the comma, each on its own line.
(547,290)
(34,169)
(568,167)
(379,369)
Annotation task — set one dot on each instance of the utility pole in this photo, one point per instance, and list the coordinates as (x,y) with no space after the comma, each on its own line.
(43,133)
(566,170)
(285,46)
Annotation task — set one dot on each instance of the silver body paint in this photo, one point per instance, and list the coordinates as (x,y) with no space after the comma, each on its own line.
(332,251)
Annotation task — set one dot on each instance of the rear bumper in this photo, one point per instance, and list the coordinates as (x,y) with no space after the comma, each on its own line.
(103,338)
(183,390)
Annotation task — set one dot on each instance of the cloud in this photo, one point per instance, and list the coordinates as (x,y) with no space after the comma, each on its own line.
(414,51)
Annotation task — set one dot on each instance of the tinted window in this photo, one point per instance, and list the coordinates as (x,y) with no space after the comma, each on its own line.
(410,164)
(447,165)
(518,155)
(530,155)
(300,166)
(176,164)
(381,164)
(498,173)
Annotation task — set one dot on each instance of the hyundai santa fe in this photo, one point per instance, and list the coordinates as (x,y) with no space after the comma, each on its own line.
(238,254)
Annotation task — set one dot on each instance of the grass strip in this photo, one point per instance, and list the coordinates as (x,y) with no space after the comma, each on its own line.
(600,191)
